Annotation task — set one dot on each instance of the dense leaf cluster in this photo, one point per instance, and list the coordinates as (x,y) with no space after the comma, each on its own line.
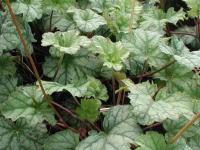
(113,69)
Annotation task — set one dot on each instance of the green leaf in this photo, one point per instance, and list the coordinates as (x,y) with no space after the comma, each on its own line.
(87,20)
(177,77)
(30,9)
(156,19)
(7,65)
(20,135)
(27,102)
(151,141)
(194,6)
(155,141)
(181,53)
(144,46)
(112,54)
(172,127)
(88,109)
(74,69)
(7,86)
(92,88)
(121,130)
(58,5)
(148,110)
(194,142)
(60,21)
(66,42)
(8,37)
(63,140)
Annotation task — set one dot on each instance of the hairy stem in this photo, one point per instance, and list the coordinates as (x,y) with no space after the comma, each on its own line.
(185,127)
(50,22)
(132,15)
(27,52)
(183,33)
(59,66)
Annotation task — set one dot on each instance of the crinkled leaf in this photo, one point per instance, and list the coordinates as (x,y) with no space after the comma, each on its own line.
(63,140)
(149,110)
(121,130)
(7,86)
(7,65)
(144,46)
(181,53)
(112,54)
(88,109)
(74,68)
(87,20)
(67,42)
(156,19)
(27,102)
(20,135)
(30,9)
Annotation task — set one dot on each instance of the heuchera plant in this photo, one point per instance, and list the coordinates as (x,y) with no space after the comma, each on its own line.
(99,75)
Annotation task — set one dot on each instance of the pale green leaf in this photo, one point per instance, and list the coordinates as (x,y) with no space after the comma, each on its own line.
(121,130)
(30,9)
(194,142)
(87,20)
(148,110)
(27,102)
(20,135)
(66,42)
(112,54)
(63,140)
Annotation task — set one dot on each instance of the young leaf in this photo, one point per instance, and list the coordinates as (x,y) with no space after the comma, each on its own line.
(112,54)
(7,86)
(121,130)
(67,42)
(20,135)
(166,106)
(63,140)
(74,69)
(88,109)
(30,9)
(87,20)
(27,102)
(181,53)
